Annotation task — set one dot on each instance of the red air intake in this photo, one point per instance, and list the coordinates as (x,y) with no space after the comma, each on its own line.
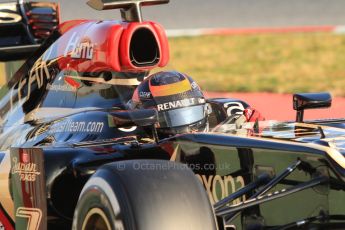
(90,46)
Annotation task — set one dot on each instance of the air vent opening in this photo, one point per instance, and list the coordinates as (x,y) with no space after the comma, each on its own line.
(144,49)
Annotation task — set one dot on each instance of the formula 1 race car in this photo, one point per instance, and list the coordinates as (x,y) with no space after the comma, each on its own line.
(75,155)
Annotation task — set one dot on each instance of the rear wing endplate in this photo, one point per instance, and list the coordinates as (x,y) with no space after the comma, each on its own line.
(24,26)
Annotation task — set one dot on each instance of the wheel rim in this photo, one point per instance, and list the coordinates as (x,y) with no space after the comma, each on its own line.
(96,219)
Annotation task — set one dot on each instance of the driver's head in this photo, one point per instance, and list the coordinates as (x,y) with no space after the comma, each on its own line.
(178,99)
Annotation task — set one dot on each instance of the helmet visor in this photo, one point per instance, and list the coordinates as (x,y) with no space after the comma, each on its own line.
(182,116)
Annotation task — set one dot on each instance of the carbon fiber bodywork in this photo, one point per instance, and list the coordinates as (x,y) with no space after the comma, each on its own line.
(65,113)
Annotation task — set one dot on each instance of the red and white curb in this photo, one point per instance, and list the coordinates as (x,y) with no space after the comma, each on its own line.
(268,30)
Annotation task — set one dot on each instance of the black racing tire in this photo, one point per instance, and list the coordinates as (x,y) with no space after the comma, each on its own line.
(143,195)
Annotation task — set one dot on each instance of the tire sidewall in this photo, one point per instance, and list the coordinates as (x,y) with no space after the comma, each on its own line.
(97,193)
(168,197)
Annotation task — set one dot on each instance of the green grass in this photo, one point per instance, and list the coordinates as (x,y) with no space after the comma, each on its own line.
(282,63)
(2,74)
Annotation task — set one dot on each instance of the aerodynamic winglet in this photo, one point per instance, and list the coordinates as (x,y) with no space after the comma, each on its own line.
(130,9)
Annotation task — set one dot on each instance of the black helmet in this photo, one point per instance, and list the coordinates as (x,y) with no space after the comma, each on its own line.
(178,99)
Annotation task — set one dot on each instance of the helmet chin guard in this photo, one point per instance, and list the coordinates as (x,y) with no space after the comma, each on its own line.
(130,9)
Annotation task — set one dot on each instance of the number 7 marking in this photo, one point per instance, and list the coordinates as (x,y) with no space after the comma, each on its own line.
(33,214)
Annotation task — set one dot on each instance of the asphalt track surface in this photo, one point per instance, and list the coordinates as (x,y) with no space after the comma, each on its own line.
(191,14)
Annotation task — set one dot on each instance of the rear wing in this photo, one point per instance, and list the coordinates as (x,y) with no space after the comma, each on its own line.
(24,26)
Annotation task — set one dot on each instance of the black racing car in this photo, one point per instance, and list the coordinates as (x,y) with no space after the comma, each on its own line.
(75,154)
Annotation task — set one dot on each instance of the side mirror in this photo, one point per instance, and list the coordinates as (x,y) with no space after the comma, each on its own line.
(302,101)
(140,117)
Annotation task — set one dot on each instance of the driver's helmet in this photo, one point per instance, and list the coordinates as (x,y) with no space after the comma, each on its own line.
(178,99)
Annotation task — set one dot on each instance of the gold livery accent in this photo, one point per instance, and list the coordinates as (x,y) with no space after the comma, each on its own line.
(218,187)
(113,81)
(5,197)
(34,216)
(171,89)
(25,86)
(26,171)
